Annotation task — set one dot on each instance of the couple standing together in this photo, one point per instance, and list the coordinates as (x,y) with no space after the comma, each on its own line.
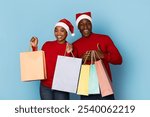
(81,48)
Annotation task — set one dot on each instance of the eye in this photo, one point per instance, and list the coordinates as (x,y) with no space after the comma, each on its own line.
(62,30)
(81,25)
(55,30)
(89,23)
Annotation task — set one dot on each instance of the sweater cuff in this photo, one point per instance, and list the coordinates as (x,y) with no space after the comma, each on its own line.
(34,48)
(68,54)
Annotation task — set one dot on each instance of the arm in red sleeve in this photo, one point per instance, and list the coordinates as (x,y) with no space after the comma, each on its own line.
(44,46)
(112,54)
(68,54)
(75,52)
(34,48)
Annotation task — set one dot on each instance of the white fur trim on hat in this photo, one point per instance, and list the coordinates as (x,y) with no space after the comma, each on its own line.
(65,26)
(83,17)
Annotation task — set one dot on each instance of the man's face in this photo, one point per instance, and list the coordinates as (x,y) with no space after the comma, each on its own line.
(85,27)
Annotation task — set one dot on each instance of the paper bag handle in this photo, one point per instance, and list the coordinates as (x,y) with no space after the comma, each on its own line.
(85,59)
(70,52)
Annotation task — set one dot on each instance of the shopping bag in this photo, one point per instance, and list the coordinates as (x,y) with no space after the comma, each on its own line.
(103,78)
(93,81)
(33,66)
(84,80)
(66,74)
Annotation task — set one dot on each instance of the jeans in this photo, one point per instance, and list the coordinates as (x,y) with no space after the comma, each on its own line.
(49,94)
(97,97)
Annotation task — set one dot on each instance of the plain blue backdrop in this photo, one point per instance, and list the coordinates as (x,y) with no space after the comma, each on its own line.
(127,22)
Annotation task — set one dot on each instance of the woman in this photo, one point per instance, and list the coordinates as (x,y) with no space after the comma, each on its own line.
(52,49)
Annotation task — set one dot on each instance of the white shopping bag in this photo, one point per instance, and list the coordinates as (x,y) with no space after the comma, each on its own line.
(66,74)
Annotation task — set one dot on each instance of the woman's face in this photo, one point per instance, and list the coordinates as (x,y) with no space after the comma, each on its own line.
(60,34)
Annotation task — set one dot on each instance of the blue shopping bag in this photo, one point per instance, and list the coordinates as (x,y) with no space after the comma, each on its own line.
(93,81)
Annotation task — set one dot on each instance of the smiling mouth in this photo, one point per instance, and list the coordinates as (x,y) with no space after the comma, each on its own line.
(59,37)
(85,31)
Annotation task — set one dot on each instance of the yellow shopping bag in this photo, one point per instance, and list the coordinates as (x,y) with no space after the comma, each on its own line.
(84,80)
(83,83)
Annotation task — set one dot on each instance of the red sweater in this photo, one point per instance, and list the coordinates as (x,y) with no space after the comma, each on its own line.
(52,49)
(111,53)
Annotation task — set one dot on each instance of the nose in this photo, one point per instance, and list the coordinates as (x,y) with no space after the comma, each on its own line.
(58,33)
(85,26)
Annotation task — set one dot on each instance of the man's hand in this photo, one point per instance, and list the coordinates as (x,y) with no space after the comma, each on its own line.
(86,56)
(100,54)
(69,48)
(34,42)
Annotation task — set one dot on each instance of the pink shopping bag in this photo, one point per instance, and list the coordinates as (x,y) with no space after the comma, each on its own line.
(104,80)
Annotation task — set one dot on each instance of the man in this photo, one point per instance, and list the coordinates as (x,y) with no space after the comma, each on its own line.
(102,44)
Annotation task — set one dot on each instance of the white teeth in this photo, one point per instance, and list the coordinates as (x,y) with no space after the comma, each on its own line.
(59,37)
(85,30)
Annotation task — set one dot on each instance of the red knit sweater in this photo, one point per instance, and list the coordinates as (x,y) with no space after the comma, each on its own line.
(111,53)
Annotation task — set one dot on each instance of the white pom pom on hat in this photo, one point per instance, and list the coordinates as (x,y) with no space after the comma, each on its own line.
(73,34)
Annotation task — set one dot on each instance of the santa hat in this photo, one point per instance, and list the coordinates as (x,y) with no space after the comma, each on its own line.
(80,16)
(66,25)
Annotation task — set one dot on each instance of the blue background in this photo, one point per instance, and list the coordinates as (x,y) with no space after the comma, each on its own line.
(127,22)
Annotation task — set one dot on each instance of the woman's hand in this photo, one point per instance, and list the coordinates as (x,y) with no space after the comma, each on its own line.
(69,48)
(34,42)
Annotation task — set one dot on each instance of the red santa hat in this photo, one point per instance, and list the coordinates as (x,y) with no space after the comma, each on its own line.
(80,16)
(66,25)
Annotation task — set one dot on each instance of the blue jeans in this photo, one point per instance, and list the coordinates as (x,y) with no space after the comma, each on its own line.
(97,97)
(49,94)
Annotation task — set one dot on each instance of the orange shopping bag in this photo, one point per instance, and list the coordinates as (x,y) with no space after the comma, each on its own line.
(103,77)
(33,66)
